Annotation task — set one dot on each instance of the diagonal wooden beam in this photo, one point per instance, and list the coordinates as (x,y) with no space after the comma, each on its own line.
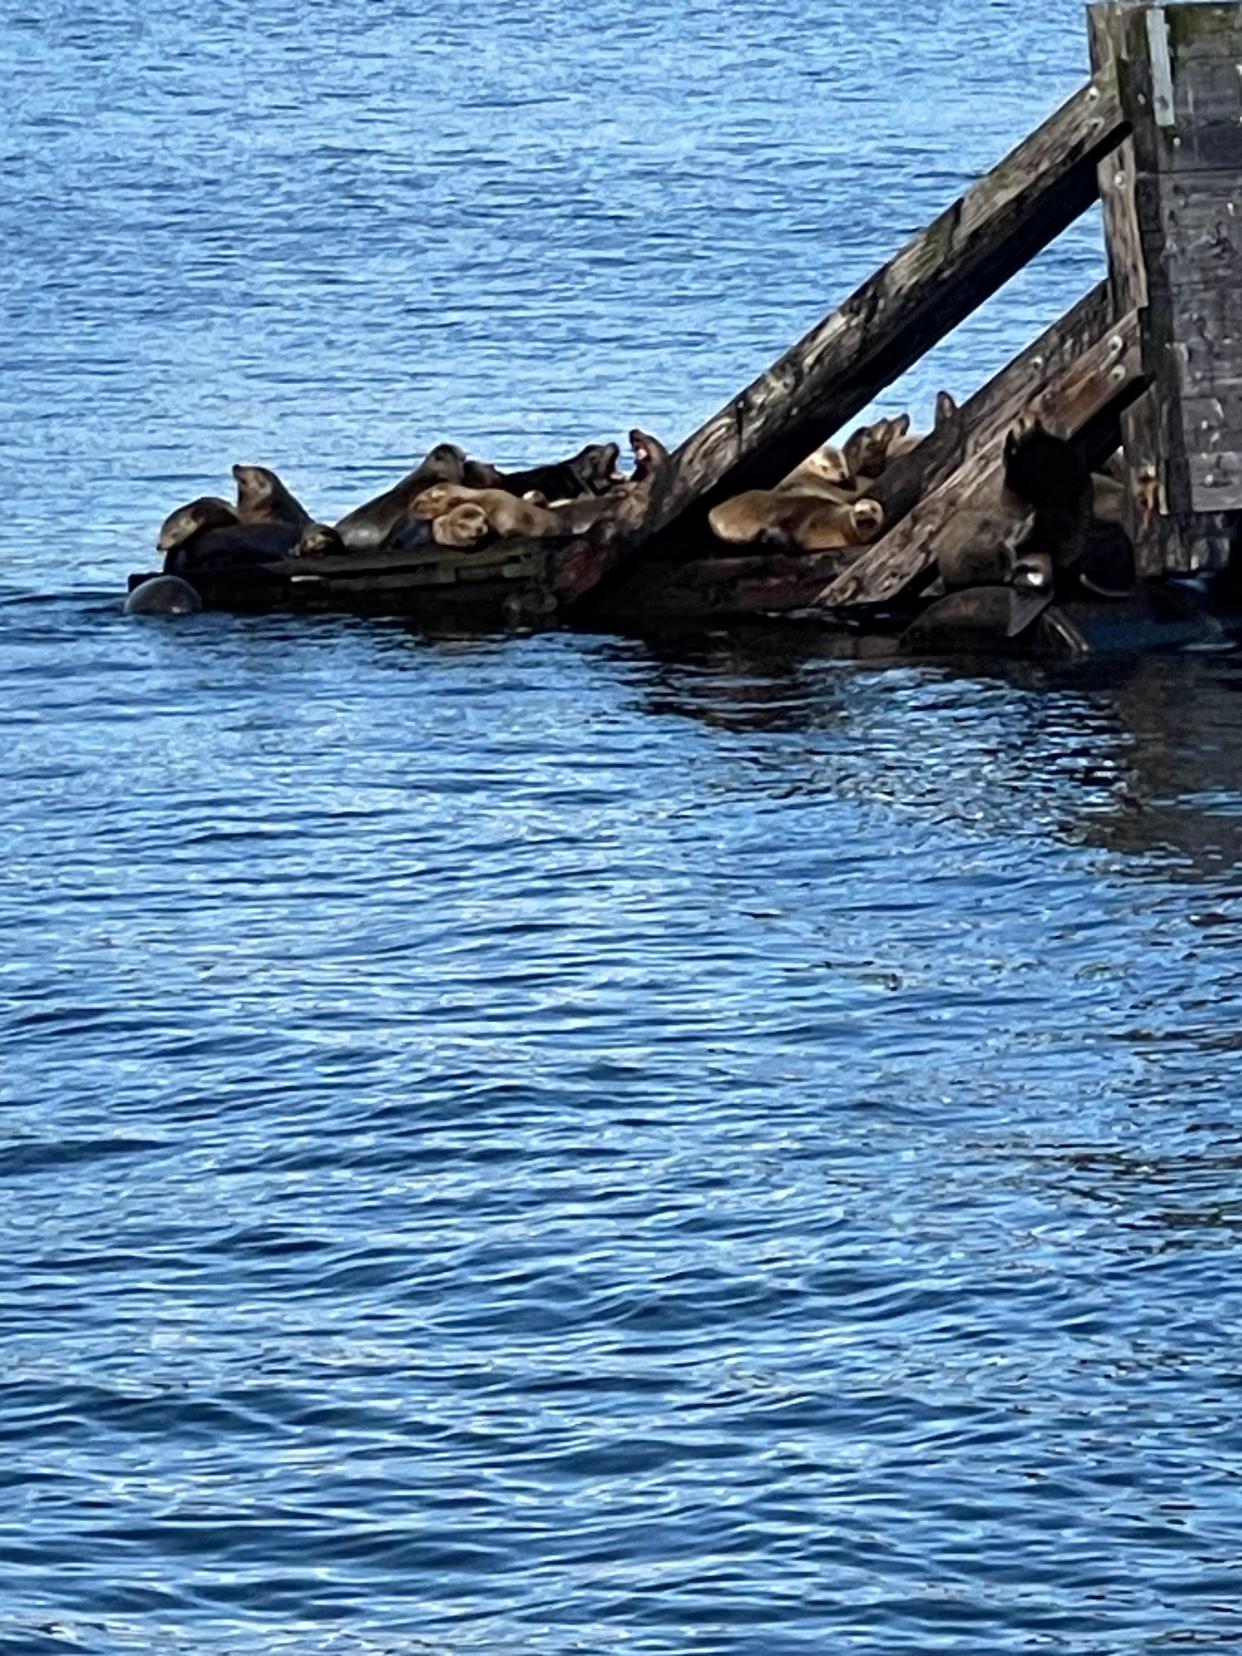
(917,474)
(936,281)
(1071,397)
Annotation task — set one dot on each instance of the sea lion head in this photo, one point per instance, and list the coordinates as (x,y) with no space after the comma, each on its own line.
(463,525)
(866,450)
(445,463)
(207,512)
(827,465)
(947,408)
(163,595)
(650,455)
(257,487)
(596,467)
(867,518)
(435,501)
(319,541)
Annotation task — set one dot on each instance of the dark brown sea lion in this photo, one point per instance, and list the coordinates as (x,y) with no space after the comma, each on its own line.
(1038,516)
(263,498)
(243,546)
(369,526)
(1046,475)
(163,595)
(592,471)
(207,512)
(625,506)
(317,540)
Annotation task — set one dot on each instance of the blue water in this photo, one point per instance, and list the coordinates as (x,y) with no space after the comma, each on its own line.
(571,1145)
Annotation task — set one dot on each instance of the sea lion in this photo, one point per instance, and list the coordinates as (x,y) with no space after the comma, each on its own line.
(207,512)
(871,448)
(370,525)
(803,523)
(507,514)
(592,471)
(1046,475)
(463,525)
(243,546)
(317,540)
(163,595)
(824,526)
(825,473)
(1039,512)
(263,498)
(626,505)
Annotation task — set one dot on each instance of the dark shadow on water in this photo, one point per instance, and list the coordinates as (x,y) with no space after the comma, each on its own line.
(1141,753)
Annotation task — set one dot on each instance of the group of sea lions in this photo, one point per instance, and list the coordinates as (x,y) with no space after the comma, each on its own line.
(447,500)
(1048,527)
(824,504)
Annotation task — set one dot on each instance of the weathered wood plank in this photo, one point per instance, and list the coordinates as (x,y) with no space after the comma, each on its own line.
(1177,72)
(1127,267)
(1176,76)
(719,589)
(998,403)
(923,293)
(1072,397)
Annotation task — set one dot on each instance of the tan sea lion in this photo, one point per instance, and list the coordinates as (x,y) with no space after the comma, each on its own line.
(369,526)
(263,498)
(207,512)
(825,473)
(464,525)
(822,526)
(801,522)
(507,514)
(869,449)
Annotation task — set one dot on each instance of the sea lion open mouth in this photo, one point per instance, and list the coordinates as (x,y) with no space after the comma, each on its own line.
(645,456)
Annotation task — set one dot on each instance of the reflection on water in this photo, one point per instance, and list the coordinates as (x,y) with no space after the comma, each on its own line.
(572,1145)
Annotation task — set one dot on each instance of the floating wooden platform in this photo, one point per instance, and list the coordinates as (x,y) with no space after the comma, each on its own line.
(1150,361)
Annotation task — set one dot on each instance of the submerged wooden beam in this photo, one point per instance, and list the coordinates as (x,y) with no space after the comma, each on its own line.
(1071,396)
(922,294)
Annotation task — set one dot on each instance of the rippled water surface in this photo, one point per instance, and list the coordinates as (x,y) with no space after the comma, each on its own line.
(572,1145)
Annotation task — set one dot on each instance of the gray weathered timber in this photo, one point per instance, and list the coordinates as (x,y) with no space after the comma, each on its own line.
(1127,269)
(1174,232)
(922,294)
(970,498)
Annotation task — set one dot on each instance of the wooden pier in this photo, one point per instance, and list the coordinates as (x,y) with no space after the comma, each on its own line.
(1149,362)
